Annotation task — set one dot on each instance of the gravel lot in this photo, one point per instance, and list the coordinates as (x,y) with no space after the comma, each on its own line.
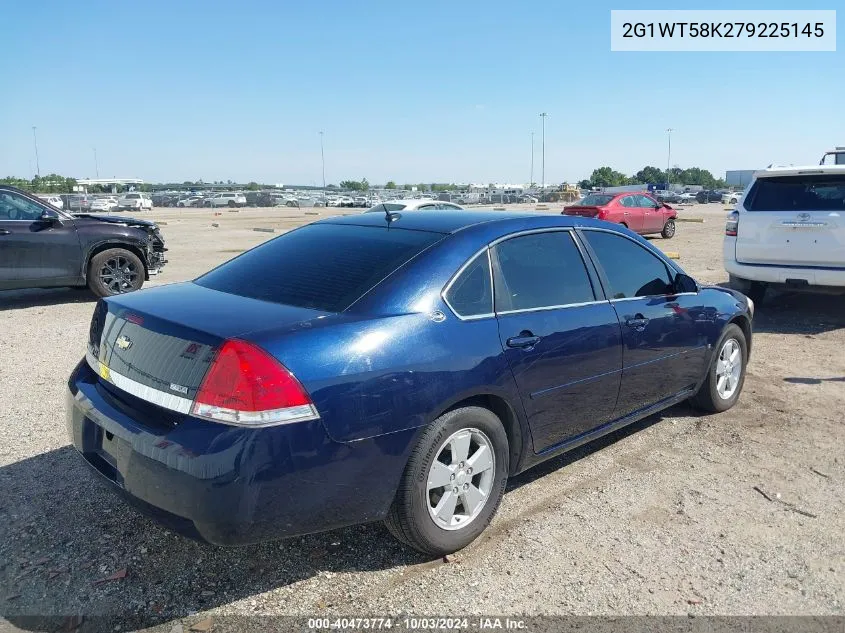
(662,518)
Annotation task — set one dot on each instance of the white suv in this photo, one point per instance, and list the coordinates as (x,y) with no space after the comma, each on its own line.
(227,200)
(134,201)
(788,231)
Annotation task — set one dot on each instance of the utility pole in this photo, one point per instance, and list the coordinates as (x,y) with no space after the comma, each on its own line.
(323,159)
(35,141)
(543,116)
(96,164)
(531,181)
(669,157)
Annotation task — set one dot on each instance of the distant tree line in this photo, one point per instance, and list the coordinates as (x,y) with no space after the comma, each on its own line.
(51,183)
(608,177)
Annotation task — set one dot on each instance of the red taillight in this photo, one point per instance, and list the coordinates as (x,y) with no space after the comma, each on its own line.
(601,214)
(732,225)
(246,386)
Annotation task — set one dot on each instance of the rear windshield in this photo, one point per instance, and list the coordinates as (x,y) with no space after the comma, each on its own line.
(321,266)
(595,200)
(820,192)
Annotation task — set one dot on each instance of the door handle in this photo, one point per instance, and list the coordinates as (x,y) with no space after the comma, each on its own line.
(4,232)
(525,340)
(638,322)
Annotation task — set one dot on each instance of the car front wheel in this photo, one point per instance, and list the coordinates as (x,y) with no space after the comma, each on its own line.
(726,374)
(115,271)
(668,231)
(453,483)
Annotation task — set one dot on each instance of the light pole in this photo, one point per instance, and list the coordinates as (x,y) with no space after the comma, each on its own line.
(531,181)
(543,116)
(35,141)
(669,157)
(96,164)
(323,159)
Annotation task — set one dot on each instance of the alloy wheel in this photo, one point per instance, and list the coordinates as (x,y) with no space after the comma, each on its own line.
(728,369)
(460,479)
(119,274)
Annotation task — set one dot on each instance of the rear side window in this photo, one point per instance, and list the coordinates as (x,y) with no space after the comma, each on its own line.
(470,294)
(540,270)
(631,270)
(321,266)
(820,192)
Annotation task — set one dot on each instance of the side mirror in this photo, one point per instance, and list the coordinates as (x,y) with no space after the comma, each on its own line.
(684,283)
(48,217)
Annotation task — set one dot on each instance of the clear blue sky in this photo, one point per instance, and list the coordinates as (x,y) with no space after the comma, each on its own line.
(409,91)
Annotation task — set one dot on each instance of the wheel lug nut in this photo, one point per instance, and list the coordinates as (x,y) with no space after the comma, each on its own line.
(469,471)
(466,486)
(452,477)
(455,490)
(461,465)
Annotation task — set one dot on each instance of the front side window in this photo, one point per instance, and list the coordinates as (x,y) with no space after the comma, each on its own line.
(648,203)
(540,270)
(16,207)
(470,294)
(631,270)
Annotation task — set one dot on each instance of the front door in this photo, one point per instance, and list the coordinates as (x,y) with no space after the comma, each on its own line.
(36,252)
(652,214)
(563,345)
(665,334)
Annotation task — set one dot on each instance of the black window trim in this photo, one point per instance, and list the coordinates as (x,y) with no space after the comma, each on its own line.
(597,288)
(605,282)
(471,317)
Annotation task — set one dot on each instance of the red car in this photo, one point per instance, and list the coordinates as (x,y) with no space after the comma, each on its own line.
(638,211)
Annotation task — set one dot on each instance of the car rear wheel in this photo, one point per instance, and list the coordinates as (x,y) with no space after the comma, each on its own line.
(453,483)
(668,229)
(232,203)
(726,374)
(115,271)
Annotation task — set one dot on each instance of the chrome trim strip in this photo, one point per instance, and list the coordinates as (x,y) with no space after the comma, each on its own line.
(803,224)
(680,294)
(565,305)
(139,390)
(548,229)
(450,283)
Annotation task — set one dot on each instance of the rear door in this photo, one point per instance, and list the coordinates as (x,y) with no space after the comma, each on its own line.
(561,339)
(794,220)
(34,252)
(632,212)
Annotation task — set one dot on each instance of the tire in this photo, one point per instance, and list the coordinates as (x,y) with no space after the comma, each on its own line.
(131,270)
(717,394)
(668,231)
(733,200)
(411,519)
(232,204)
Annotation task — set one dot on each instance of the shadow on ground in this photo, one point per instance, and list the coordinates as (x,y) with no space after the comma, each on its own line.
(62,530)
(36,297)
(799,313)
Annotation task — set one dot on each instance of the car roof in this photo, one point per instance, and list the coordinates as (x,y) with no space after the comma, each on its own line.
(445,221)
(801,170)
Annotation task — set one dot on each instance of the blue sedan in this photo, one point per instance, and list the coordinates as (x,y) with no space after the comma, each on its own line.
(392,367)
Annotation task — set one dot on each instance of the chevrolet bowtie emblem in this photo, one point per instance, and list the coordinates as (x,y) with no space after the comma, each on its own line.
(124,342)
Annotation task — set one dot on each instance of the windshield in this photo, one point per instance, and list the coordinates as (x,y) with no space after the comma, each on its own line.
(595,200)
(815,192)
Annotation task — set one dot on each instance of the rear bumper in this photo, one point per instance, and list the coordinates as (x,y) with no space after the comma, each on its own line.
(793,277)
(228,485)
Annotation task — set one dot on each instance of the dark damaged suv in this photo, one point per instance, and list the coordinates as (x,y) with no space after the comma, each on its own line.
(43,247)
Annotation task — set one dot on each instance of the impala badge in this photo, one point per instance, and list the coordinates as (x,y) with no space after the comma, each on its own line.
(124,342)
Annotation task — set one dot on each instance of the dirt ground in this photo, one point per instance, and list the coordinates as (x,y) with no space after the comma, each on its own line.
(738,513)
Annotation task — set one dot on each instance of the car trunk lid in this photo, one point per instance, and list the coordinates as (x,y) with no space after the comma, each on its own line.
(583,211)
(158,344)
